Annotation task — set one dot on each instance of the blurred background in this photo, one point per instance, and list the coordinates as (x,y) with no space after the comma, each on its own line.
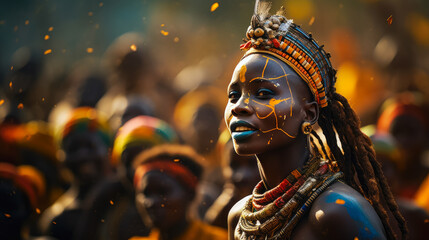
(375,58)
(86,85)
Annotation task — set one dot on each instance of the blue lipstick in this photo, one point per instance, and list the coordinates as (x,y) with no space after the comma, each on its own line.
(242,135)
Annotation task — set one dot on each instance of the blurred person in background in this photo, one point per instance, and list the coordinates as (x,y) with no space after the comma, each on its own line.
(111,212)
(85,140)
(165,181)
(405,118)
(391,160)
(241,175)
(20,191)
(197,117)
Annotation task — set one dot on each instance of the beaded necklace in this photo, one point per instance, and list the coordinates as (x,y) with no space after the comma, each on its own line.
(273,214)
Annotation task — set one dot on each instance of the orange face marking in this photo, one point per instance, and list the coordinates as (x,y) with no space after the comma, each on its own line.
(243,71)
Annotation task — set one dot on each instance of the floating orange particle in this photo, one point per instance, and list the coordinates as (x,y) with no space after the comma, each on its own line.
(426,220)
(43,99)
(214,7)
(1,102)
(46,37)
(390,20)
(54,222)
(27,22)
(48,51)
(162,25)
(176,160)
(11,68)
(311,21)
(10,84)
(176,39)
(37,211)
(133,47)
(89,50)
(340,201)
(356,238)
(90,14)
(111,202)
(100,4)
(20,106)
(165,33)
(50,29)
(7,215)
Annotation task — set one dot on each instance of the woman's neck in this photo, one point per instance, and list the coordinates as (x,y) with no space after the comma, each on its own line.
(279,163)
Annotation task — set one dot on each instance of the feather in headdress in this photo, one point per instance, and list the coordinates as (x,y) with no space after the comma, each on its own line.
(262,9)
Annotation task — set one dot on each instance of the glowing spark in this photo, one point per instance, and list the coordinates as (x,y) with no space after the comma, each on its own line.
(43,99)
(176,39)
(89,50)
(311,21)
(356,238)
(390,20)
(426,220)
(27,22)
(162,205)
(111,202)
(214,7)
(48,51)
(10,84)
(11,68)
(50,29)
(164,33)
(162,25)
(47,37)
(176,160)
(102,220)
(1,102)
(54,222)
(20,106)
(7,215)
(37,211)
(340,202)
(133,47)
(100,4)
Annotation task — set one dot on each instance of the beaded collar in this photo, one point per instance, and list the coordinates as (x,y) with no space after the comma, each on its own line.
(273,214)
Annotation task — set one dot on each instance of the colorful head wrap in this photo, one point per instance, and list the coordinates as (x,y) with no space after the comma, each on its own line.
(280,37)
(26,178)
(86,119)
(38,137)
(396,109)
(142,130)
(178,161)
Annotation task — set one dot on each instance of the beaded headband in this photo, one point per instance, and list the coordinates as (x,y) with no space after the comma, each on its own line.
(280,37)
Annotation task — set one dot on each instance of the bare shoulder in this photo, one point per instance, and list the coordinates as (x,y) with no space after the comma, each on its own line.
(341,212)
(234,216)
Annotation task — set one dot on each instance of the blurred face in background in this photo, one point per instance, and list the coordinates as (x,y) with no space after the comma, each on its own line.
(162,201)
(86,156)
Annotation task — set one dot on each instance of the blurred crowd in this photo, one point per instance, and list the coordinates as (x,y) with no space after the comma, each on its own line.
(132,143)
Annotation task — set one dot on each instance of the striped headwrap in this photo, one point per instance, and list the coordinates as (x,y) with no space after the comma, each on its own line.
(86,119)
(277,36)
(142,130)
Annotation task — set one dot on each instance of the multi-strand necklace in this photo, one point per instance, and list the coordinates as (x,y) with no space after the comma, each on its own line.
(273,214)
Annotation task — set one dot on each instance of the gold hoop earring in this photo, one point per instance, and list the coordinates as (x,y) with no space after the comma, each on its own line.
(306,128)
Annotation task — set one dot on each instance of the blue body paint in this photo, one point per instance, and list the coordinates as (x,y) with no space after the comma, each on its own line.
(357,213)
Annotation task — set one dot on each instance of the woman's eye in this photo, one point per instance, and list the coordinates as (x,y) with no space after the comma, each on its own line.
(263,92)
(233,95)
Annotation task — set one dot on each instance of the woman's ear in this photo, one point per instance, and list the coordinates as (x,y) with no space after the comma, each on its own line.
(312,112)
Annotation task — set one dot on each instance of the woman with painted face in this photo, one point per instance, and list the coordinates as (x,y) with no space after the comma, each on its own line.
(312,187)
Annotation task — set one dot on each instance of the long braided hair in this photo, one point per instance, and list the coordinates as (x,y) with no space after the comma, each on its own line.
(356,158)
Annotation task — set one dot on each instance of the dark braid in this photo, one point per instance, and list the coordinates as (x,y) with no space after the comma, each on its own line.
(356,159)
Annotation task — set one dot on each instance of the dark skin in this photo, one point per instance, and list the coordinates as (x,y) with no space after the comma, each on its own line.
(163,203)
(268,102)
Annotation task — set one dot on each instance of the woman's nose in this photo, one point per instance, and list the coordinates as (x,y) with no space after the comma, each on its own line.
(241,107)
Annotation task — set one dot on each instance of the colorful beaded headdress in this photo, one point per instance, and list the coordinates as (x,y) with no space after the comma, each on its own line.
(280,37)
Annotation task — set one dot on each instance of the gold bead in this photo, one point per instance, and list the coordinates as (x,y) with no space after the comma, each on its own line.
(259,32)
(306,128)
